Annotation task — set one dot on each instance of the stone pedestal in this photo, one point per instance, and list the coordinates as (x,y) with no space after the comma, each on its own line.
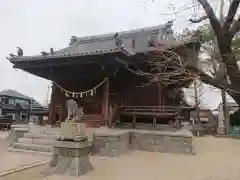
(71,158)
(71,151)
(73,131)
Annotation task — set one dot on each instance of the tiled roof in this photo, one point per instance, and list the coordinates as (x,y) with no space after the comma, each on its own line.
(13,93)
(102,44)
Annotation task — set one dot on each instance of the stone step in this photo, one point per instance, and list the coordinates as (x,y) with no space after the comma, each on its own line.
(45,142)
(49,131)
(32,147)
(29,151)
(93,123)
(40,136)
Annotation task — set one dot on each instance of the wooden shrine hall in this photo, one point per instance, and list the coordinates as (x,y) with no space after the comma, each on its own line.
(111,75)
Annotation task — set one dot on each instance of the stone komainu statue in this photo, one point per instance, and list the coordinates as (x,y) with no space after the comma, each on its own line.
(74,113)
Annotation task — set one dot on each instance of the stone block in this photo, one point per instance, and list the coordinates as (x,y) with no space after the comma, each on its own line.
(15,134)
(32,147)
(70,158)
(44,142)
(111,144)
(161,142)
(70,130)
(40,136)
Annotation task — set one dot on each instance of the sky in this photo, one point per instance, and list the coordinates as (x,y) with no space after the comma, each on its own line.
(37,25)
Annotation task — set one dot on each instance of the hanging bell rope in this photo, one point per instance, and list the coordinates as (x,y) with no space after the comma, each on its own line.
(92,91)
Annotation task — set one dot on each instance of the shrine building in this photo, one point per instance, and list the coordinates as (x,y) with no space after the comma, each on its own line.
(116,77)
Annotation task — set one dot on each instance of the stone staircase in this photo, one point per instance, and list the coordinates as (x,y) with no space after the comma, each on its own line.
(93,120)
(40,139)
(35,142)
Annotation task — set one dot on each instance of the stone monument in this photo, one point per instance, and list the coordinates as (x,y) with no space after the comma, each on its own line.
(72,148)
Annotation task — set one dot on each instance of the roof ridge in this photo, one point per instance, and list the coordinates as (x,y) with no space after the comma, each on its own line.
(16,94)
(124,34)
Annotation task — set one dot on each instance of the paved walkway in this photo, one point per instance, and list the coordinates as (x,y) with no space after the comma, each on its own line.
(216,159)
(13,160)
(3,134)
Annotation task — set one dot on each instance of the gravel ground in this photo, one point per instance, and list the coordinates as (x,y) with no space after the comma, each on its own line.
(216,159)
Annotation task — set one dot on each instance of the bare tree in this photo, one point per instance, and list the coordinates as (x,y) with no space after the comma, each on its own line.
(225,33)
(197,98)
(216,69)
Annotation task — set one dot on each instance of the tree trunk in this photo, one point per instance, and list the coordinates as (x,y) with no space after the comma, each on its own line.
(230,61)
(197,105)
(235,96)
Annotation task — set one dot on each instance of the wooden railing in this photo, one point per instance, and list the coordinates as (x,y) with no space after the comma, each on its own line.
(150,111)
(171,112)
(157,107)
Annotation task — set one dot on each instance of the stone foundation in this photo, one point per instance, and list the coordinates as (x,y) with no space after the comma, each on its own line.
(110,143)
(167,142)
(114,142)
(117,143)
(70,158)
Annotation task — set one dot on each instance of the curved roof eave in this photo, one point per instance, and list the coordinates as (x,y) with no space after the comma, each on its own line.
(105,44)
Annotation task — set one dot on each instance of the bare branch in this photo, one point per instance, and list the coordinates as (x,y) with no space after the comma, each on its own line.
(231,14)
(199,19)
(235,27)
(210,80)
(216,26)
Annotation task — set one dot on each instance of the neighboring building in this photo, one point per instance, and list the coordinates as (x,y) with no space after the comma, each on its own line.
(104,73)
(206,116)
(17,106)
(208,122)
(232,107)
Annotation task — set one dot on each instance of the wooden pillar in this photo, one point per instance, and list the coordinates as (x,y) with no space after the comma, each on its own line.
(159,95)
(52,109)
(106,101)
(61,113)
(177,123)
(154,122)
(134,122)
(51,115)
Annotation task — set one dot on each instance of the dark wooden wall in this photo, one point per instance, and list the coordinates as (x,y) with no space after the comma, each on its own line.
(121,92)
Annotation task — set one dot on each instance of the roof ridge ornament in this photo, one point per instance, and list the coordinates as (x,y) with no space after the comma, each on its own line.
(52,51)
(120,45)
(168,25)
(73,40)
(118,40)
(44,53)
(20,51)
(12,55)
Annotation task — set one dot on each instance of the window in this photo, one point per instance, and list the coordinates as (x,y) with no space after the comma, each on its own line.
(11,101)
(5,100)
